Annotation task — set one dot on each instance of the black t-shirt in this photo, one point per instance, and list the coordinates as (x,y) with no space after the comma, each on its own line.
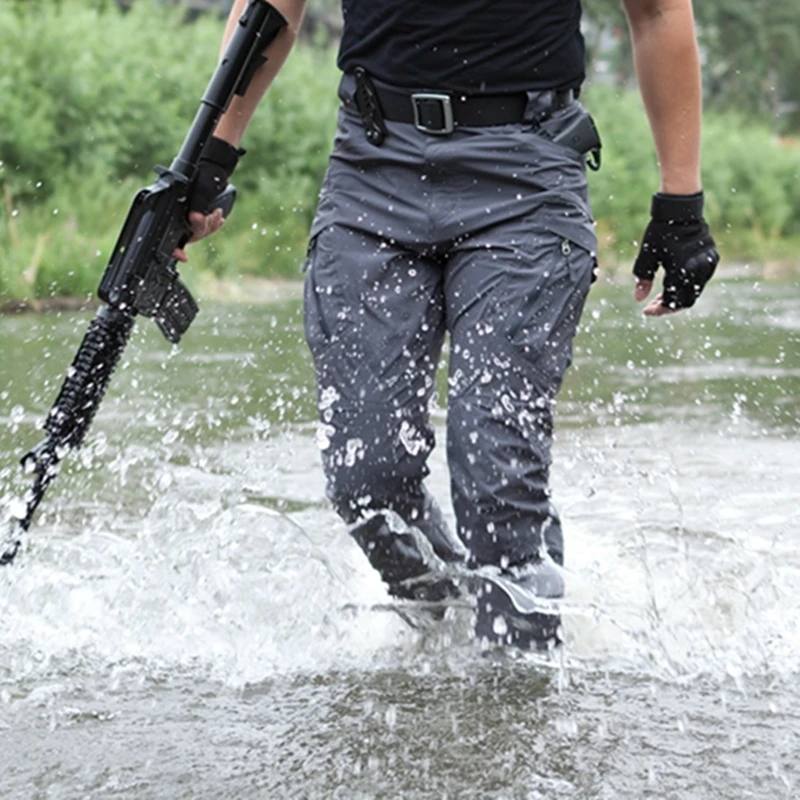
(488,46)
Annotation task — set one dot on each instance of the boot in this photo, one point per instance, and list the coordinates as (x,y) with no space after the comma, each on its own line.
(405,560)
(515,606)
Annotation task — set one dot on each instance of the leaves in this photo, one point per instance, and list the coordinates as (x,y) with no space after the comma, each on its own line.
(750,51)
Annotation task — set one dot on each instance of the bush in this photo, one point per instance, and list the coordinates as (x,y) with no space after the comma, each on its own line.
(93,98)
(88,90)
(750,179)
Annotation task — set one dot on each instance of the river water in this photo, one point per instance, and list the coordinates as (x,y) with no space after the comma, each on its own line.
(190,620)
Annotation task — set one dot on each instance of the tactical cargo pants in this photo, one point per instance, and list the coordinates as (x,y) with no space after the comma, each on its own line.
(485,235)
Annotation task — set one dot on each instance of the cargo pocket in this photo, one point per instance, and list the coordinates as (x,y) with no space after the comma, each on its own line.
(543,316)
(324,305)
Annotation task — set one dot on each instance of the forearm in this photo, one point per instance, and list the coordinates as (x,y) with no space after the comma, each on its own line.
(668,69)
(234,122)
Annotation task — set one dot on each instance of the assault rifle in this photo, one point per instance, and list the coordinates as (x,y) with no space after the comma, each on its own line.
(141,277)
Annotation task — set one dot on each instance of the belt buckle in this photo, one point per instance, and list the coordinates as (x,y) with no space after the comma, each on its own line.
(446,106)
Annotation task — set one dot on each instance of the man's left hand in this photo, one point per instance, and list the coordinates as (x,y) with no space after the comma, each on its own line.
(678,239)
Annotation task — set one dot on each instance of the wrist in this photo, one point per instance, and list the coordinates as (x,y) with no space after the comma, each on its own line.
(680,176)
(677,207)
(222,153)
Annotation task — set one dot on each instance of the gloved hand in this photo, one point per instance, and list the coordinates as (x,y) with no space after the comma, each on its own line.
(678,239)
(214,170)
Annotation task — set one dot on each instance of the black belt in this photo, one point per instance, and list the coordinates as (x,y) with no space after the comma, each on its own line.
(441,112)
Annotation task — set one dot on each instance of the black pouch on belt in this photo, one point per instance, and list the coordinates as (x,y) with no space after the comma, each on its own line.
(369,107)
(579,135)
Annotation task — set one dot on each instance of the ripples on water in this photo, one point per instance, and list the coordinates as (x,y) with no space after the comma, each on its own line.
(191,620)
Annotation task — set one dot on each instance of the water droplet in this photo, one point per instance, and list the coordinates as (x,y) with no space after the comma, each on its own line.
(499,626)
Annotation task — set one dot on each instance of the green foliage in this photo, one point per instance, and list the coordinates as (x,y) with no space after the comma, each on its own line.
(753,52)
(750,51)
(751,180)
(621,189)
(93,98)
(81,86)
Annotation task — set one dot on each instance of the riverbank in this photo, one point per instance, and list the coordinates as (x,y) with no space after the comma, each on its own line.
(246,289)
(69,171)
(254,290)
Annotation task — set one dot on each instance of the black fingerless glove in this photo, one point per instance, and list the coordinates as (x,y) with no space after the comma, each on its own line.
(678,239)
(214,169)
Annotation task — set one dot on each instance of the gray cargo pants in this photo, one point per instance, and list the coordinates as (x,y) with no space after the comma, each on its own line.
(484,234)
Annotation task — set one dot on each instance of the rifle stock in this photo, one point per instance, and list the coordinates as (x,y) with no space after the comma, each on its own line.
(141,277)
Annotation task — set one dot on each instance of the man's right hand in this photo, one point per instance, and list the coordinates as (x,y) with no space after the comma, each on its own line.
(214,170)
(202,225)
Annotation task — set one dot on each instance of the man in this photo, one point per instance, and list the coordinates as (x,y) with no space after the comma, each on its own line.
(456,203)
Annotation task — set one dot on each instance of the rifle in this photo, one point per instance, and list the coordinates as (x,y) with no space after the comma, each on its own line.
(141,277)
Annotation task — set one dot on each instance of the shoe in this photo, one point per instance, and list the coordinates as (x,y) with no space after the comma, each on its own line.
(405,560)
(516,606)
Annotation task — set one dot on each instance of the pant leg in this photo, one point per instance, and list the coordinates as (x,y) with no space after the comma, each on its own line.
(515,294)
(374,321)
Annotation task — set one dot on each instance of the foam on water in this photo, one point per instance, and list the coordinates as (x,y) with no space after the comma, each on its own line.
(674,573)
(666,575)
(235,593)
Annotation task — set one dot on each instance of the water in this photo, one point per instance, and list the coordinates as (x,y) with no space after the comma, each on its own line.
(190,619)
